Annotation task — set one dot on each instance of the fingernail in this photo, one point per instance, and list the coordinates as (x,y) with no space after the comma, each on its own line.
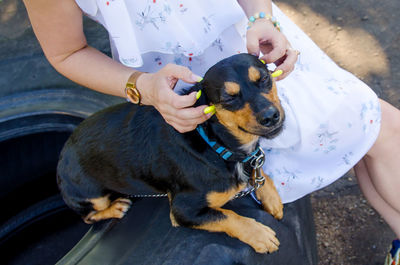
(198,95)
(277,73)
(262,61)
(197,78)
(210,109)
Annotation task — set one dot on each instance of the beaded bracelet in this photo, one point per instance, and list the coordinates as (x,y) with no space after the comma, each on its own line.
(261,15)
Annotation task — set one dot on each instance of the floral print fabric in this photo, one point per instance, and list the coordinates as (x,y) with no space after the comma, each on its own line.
(171,27)
(332,118)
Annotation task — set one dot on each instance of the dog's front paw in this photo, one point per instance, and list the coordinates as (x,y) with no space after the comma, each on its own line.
(269,197)
(272,204)
(262,238)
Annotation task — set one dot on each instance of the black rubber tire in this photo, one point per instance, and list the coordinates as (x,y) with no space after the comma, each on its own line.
(32,214)
(146,236)
(33,128)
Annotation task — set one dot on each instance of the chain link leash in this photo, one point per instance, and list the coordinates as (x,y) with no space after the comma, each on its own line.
(256,163)
(149,195)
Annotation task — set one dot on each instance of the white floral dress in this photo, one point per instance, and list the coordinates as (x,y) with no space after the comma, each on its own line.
(333,118)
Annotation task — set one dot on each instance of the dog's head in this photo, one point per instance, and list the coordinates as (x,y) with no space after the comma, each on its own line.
(245,97)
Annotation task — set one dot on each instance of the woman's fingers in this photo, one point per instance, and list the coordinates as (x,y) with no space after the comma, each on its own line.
(253,43)
(265,38)
(187,115)
(181,101)
(180,72)
(276,49)
(185,120)
(287,63)
(176,109)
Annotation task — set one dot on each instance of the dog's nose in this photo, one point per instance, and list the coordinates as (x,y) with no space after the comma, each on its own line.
(269,117)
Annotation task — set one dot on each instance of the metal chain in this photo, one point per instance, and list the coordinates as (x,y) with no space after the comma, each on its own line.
(241,194)
(259,180)
(149,195)
(257,162)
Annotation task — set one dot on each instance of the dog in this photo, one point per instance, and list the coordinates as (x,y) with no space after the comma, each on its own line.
(114,152)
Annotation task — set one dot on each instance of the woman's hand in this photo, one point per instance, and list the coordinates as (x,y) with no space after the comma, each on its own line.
(263,37)
(156,89)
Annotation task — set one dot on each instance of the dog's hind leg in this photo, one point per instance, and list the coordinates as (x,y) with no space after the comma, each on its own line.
(104,208)
(269,197)
(174,223)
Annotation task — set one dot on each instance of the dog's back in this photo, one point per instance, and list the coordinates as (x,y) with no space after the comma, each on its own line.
(124,150)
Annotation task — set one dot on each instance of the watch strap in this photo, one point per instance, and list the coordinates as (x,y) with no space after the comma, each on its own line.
(132,94)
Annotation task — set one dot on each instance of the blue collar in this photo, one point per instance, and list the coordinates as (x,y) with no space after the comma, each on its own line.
(227,154)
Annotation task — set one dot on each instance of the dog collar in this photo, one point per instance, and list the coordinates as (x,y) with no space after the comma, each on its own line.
(256,158)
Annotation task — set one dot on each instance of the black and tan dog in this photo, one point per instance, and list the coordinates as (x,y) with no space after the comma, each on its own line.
(115,149)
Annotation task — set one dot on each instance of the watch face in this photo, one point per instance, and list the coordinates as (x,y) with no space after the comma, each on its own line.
(133,95)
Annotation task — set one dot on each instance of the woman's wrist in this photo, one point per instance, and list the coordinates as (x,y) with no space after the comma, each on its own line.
(132,92)
(256,6)
(144,87)
(260,16)
(257,11)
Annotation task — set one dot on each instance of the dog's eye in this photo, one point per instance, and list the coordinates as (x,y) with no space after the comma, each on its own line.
(265,77)
(229,99)
(265,82)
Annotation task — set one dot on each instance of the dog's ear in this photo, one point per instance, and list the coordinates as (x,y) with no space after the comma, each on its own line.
(195,88)
(203,100)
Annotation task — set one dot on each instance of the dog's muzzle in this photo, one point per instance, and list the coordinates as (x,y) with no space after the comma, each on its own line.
(269,117)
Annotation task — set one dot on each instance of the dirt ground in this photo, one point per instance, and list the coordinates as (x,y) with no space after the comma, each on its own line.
(362,36)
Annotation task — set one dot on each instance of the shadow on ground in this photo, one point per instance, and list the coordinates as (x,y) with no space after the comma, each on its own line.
(362,36)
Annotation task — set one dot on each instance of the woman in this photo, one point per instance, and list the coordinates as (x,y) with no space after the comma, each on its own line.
(334,121)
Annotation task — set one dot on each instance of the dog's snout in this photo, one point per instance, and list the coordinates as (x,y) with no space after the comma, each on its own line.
(269,117)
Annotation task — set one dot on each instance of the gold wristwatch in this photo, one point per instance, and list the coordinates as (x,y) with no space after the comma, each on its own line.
(131,92)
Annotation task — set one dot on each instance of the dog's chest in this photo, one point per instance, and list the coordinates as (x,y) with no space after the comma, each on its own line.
(242,172)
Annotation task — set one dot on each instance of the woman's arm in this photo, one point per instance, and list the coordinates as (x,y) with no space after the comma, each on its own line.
(263,37)
(58,27)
